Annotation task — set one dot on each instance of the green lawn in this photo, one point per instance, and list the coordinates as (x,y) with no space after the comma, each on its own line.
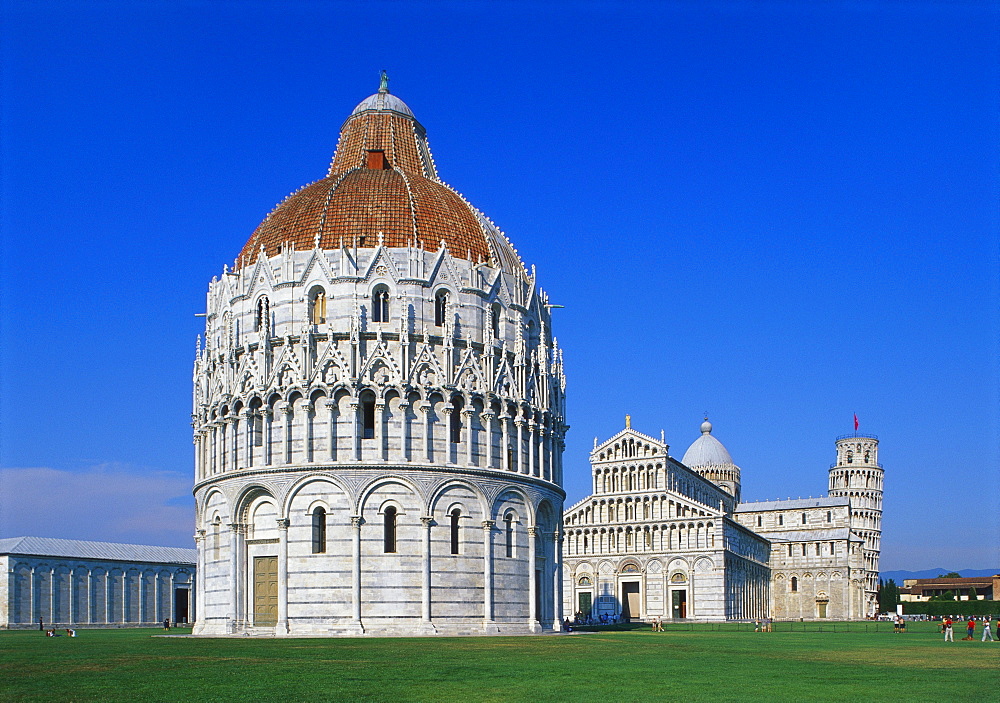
(697,663)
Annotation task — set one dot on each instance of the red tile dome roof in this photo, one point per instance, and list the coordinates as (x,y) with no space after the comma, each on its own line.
(382,186)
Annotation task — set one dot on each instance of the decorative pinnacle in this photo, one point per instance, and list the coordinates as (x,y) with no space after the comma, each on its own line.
(384,82)
(628,422)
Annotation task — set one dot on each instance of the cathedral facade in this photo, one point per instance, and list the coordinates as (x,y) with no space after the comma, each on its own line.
(378,411)
(665,538)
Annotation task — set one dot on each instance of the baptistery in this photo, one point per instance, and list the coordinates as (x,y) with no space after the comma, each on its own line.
(378,411)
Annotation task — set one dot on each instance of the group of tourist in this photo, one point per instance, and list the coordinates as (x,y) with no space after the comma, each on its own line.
(70,632)
(581,618)
(948,628)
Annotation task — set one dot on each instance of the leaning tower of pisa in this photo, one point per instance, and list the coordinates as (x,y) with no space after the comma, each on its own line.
(857,476)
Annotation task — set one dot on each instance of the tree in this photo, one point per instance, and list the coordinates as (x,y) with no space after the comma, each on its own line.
(973,594)
(950,575)
(888,596)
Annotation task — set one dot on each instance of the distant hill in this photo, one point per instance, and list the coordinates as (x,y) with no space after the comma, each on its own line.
(899,576)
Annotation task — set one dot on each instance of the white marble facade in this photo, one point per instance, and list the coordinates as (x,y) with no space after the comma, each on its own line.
(378,422)
(657,539)
(665,538)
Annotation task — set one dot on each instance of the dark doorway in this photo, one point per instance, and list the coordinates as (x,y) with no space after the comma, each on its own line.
(182,601)
(630,600)
(585,604)
(679,603)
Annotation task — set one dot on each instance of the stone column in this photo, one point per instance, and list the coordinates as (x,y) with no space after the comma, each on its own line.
(379,431)
(286,411)
(557,562)
(356,521)
(425,408)
(404,430)
(234,575)
(467,414)
(331,406)
(532,611)
(199,584)
(448,410)
(488,624)
(532,464)
(309,411)
(505,452)
(425,610)
(171,599)
(268,416)
(125,594)
(52,594)
(248,422)
(519,465)
(487,419)
(281,627)
(544,467)
(234,452)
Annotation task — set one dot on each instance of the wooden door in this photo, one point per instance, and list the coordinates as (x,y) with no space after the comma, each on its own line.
(265,590)
(630,600)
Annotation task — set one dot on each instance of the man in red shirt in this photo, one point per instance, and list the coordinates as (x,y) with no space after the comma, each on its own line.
(971,627)
(949,635)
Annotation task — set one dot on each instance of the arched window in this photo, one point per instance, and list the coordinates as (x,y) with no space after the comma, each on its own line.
(440,307)
(781,519)
(794,583)
(317,306)
(829,516)
(803,518)
(760,521)
(850,457)
(368,417)
(455,515)
(380,305)
(509,533)
(260,316)
(495,318)
(319,531)
(867,457)
(389,538)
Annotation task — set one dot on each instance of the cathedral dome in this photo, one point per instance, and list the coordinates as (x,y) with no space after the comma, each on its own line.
(382,188)
(706,450)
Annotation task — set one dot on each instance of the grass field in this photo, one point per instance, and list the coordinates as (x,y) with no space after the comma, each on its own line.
(696,663)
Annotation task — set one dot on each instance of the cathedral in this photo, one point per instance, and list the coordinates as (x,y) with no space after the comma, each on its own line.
(669,539)
(378,410)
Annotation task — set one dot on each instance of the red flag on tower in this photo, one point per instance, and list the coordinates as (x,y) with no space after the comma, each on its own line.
(855,422)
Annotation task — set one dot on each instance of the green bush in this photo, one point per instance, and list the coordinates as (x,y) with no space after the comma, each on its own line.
(952,607)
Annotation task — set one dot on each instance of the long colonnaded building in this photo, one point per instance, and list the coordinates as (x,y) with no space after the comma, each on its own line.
(75,583)
(666,538)
(378,410)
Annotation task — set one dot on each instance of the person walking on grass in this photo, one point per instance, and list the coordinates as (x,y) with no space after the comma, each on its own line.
(970,627)
(949,632)
(986,630)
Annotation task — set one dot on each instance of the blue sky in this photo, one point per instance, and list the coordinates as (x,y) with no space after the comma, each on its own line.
(781,213)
